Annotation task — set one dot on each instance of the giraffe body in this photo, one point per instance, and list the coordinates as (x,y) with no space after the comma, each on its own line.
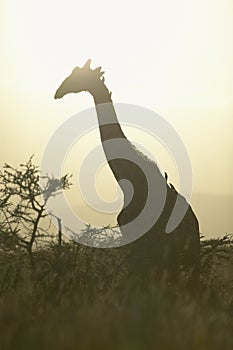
(165,253)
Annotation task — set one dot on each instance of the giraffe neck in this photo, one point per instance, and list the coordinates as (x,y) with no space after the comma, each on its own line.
(108,123)
(124,160)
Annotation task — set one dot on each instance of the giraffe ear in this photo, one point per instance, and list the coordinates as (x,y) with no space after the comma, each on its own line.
(87,64)
(97,70)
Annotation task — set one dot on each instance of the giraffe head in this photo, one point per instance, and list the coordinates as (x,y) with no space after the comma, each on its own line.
(81,79)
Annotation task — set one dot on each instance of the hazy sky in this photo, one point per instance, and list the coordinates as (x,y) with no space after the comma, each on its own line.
(174,57)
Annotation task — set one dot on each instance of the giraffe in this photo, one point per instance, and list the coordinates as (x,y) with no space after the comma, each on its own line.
(167,253)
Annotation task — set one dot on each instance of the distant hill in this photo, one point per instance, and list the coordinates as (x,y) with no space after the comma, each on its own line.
(214,212)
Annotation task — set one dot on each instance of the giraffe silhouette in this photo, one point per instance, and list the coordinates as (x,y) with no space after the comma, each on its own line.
(167,254)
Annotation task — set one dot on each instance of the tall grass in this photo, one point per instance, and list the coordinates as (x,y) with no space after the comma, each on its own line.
(76,297)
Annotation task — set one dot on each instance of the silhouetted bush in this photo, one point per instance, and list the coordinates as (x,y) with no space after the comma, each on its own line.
(22,205)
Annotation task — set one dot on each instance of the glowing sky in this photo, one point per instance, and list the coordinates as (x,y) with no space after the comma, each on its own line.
(174,57)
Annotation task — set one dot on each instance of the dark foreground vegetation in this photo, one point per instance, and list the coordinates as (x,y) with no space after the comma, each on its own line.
(73,297)
(63,295)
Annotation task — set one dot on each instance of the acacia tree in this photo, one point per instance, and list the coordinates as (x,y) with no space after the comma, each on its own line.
(23,204)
